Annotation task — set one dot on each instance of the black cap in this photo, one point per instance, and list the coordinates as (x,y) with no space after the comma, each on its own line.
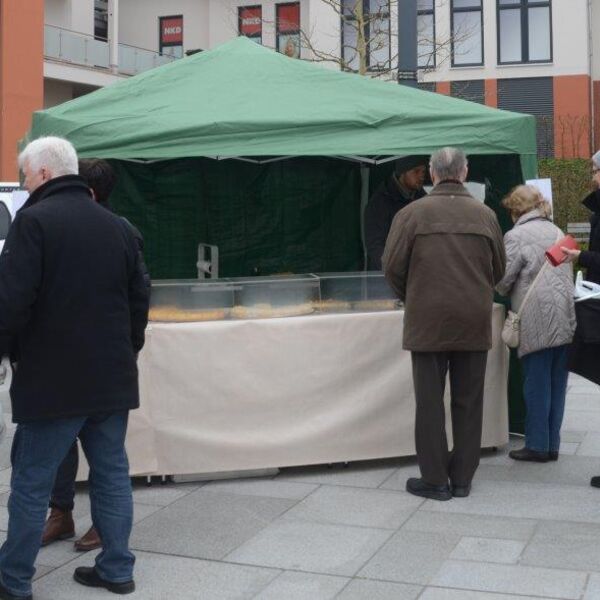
(406,163)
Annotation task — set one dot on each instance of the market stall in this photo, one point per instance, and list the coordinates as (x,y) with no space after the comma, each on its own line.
(332,384)
(272,159)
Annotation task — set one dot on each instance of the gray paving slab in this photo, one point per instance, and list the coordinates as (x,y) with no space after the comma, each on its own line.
(314,547)
(462,525)
(5,476)
(206,525)
(140,512)
(433,593)
(488,550)
(584,401)
(410,557)
(291,585)
(271,488)
(162,495)
(369,474)
(565,546)
(567,470)
(526,500)
(359,589)
(377,508)
(582,420)
(159,577)
(500,457)
(572,436)
(590,445)
(592,591)
(569,448)
(509,579)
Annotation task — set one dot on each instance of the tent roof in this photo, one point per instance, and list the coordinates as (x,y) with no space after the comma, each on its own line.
(242,99)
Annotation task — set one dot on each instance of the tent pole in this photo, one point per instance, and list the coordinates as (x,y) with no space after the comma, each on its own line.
(364,199)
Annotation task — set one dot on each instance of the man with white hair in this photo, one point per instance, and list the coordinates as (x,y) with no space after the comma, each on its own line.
(443,257)
(74,302)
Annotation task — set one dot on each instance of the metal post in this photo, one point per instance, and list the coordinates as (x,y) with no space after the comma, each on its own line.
(364,199)
(113,35)
(407,42)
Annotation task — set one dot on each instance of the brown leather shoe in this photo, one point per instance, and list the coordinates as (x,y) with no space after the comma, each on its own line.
(90,541)
(59,526)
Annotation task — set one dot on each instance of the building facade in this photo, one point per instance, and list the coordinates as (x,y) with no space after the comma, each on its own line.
(535,56)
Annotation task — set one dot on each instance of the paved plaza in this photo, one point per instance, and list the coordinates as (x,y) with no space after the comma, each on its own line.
(527,531)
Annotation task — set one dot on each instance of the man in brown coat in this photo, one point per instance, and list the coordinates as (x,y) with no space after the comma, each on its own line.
(443,258)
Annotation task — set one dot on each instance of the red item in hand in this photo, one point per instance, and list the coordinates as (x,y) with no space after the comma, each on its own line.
(555,255)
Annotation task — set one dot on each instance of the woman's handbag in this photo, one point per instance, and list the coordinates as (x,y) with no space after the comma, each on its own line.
(511,331)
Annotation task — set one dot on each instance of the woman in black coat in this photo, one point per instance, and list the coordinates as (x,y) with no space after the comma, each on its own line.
(585,350)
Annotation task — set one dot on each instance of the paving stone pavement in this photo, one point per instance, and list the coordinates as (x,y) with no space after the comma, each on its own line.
(351,532)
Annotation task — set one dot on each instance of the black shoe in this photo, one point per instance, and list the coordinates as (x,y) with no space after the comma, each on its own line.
(595,481)
(6,595)
(553,455)
(529,455)
(418,487)
(461,491)
(88,576)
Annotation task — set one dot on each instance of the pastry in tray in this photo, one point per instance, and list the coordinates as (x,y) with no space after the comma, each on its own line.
(172,314)
(268,311)
(374,305)
(333,306)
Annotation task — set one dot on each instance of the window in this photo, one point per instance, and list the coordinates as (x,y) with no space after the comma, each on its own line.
(425,34)
(467,33)
(524,31)
(101,20)
(250,22)
(288,28)
(171,35)
(376,27)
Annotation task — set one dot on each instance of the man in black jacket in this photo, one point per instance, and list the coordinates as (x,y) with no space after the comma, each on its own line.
(73,298)
(401,188)
(100,178)
(584,355)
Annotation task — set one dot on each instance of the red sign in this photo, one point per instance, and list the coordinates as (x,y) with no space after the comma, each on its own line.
(171,31)
(250,20)
(288,17)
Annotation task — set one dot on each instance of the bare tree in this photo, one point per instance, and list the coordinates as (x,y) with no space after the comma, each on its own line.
(369,42)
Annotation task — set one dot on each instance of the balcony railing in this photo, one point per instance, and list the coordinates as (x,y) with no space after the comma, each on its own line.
(82,49)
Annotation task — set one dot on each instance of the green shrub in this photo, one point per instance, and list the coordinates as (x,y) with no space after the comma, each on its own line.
(571,183)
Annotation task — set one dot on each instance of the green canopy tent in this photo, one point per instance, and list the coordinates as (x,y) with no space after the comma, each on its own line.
(272,158)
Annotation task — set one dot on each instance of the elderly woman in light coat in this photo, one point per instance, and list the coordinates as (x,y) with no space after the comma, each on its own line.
(547,319)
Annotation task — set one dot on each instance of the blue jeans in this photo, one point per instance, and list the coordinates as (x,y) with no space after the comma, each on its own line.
(38,449)
(545,389)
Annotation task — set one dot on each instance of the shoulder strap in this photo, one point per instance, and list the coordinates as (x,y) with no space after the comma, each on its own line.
(537,277)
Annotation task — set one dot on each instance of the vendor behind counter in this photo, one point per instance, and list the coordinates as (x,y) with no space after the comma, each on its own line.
(403,186)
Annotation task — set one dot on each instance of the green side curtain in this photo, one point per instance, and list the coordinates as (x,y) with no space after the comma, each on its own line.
(299,215)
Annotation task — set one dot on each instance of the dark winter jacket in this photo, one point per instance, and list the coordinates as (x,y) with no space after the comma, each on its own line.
(73,297)
(584,354)
(590,259)
(379,214)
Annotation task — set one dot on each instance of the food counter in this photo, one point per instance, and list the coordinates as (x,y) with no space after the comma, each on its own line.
(245,374)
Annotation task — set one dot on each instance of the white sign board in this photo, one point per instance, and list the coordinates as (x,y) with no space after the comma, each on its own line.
(545,186)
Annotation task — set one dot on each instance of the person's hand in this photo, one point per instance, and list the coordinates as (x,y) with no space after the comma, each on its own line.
(571,255)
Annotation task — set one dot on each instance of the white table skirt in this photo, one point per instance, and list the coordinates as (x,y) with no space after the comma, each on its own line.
(237,395)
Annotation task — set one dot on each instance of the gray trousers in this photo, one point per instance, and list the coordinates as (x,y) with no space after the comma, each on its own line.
(467,375)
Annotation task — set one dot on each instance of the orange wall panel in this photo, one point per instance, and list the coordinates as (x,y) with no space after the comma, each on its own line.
(596,100)
(572,116)
(21,75)
(491,92)
(443,87)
